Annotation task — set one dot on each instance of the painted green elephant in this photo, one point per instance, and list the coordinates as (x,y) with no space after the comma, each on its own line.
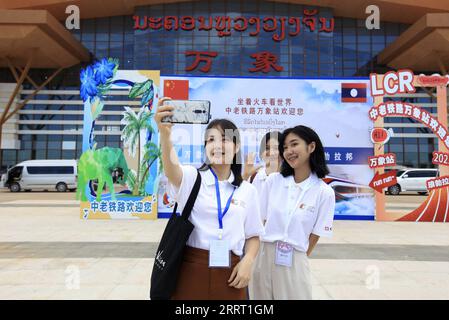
(99,164)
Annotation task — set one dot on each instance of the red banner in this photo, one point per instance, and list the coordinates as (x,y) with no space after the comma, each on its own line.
(383,160)
(384,180)
(440,158)
(403,109)
(437,183)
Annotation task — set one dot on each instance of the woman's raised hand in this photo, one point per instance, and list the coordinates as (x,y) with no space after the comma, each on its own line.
(249,168)
(162,112)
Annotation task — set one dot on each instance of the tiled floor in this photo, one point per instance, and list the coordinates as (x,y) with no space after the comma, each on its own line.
(49,253)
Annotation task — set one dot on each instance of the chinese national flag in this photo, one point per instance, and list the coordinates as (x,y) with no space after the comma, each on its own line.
(176,89)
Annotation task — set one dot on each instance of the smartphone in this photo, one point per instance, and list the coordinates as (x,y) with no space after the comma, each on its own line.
(188,111)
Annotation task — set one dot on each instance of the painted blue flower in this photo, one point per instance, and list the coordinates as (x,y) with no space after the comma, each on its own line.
(104,70)
(88,85)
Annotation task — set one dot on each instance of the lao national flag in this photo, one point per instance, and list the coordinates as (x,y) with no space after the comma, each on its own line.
(176,89)
(353,92)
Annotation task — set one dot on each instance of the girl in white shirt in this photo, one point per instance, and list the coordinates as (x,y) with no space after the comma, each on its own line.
(298,208)
(225,215)
(269,153)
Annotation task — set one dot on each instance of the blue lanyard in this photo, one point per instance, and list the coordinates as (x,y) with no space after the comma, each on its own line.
(221,214)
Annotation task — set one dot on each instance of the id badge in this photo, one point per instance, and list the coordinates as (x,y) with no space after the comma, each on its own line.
(219,254)
(284,254)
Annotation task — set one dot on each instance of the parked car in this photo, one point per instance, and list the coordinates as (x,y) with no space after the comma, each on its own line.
(42,174)
(412,180)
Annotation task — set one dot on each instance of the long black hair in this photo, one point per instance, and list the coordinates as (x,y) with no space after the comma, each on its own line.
(230,130)
(317,159)
(266,138)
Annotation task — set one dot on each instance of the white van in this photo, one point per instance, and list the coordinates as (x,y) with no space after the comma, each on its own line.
(412,180)
(42,174)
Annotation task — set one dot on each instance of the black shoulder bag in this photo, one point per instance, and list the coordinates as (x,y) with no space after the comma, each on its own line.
(170,252)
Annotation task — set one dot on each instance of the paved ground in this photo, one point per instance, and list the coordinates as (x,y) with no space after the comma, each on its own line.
(20,197)
(408,200)
(47,252)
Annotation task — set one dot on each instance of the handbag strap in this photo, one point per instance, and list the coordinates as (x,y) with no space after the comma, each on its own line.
(192,198)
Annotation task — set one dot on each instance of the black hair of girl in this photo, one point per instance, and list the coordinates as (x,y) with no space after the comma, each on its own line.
(266,138)
(230,130)
(317,159)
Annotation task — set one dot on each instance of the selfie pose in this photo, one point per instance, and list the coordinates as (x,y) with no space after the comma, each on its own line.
(225,217)
(299,209)
(269,153)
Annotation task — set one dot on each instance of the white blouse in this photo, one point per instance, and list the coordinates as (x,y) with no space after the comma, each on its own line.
(259,179)
(293,211)
(241,222)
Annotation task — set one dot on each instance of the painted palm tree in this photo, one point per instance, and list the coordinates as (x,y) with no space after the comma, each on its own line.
(150,155)
(134,124)
(152,152)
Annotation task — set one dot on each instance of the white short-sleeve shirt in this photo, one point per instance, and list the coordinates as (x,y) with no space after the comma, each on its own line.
(293,211)
(241,222)
(259,179)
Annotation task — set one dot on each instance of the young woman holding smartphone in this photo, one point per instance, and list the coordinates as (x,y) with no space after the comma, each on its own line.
(225,216)
(298,208)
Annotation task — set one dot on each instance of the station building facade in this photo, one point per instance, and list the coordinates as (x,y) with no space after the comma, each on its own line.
(303,39)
